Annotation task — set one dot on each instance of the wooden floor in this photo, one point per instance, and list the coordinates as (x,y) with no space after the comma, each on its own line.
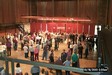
(90,62)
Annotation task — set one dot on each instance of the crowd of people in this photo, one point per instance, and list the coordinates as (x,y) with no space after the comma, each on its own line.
(32,43)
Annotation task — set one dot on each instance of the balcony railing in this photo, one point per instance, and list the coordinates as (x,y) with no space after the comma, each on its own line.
(41,64)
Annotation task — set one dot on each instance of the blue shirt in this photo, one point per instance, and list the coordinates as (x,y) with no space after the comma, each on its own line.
(35,69)
(67,63)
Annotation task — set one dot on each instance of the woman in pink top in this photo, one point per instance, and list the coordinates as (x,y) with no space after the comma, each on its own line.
(36,53)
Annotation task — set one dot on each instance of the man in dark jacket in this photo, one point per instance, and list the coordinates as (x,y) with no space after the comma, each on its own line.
(63,56)
(58,62)
(80,50)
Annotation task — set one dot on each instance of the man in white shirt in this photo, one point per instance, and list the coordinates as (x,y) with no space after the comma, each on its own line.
(31,49)
(2,49)
(31,42)
(25,51)
(75,47)
(38,38)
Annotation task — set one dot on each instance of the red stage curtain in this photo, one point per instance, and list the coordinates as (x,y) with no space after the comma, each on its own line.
(74,27)
(43,26)
(52,27)
(61,26)
(35,27)
(80,28)
(32,27)
(68,27)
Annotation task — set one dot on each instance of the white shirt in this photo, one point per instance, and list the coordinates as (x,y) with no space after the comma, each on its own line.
(31,42)
(75,47)
(31,49)
(38,46)
(18,70)
(2,72)
(71,46)
(8,36)
(2,47)
(38,38)
(25,49)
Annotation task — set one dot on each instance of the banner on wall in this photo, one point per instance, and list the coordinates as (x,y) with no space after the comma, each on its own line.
(60,27)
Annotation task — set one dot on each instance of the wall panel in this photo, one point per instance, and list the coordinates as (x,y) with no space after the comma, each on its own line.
(59,7)
(49,9)
(5,11)
(24,11)
(96,10)
(87,9)
(12,10)
(40,8)
(73,8)
(1,17)
(20,10)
